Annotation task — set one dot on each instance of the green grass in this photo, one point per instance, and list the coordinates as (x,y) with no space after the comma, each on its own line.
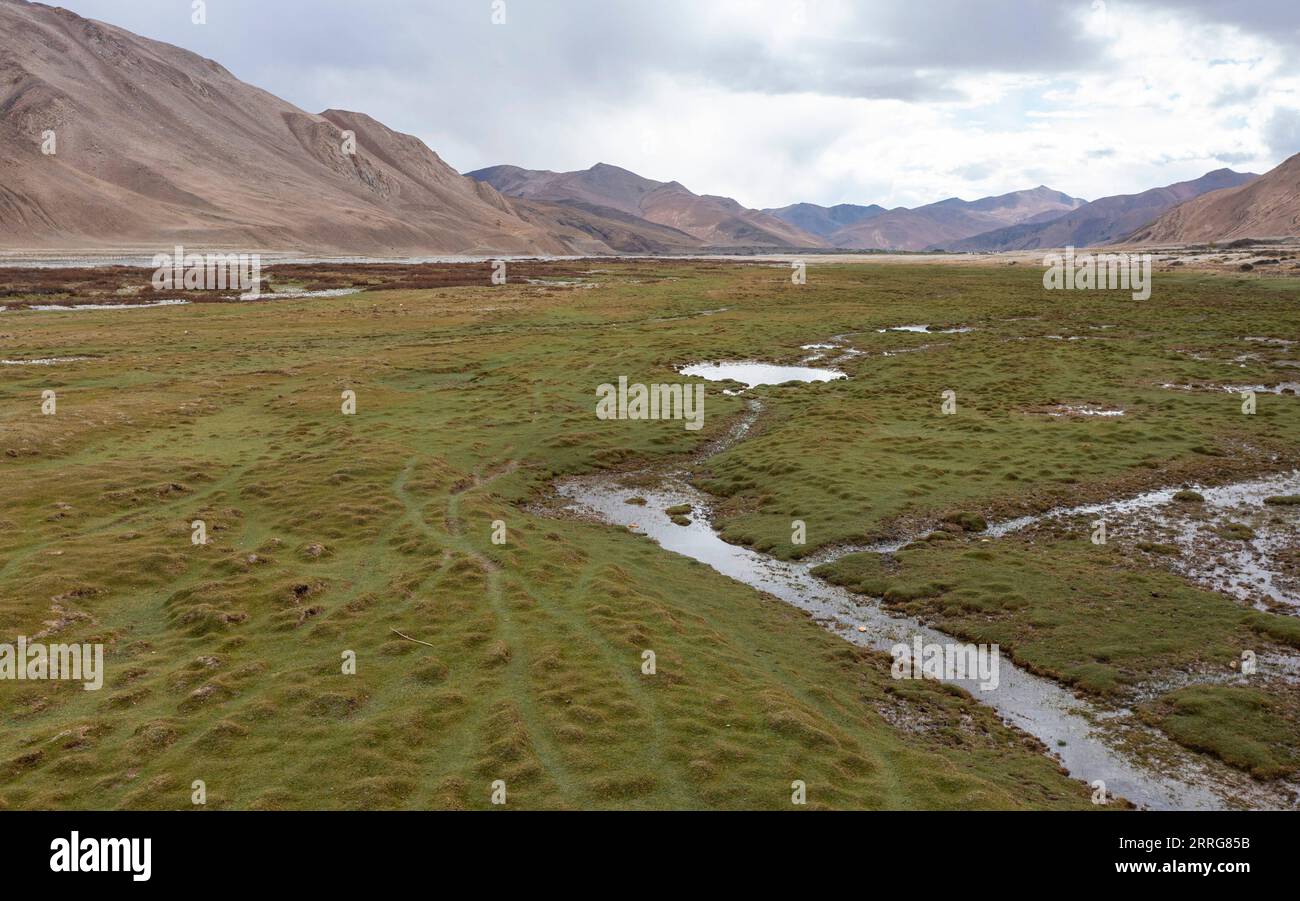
(862,458)
(331,533)
(1088,616)
(1248,728)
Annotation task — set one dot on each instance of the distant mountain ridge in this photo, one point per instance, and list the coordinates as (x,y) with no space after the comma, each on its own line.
(110,140)
(722,222)
(826,221)
(852,227)
(1104,221)
(713,221)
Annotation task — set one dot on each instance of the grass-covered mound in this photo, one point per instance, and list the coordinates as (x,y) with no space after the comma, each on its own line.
(372,535)
(1250,729)
(1085,615)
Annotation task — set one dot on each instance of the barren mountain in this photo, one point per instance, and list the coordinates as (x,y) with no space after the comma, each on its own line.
(713,221)
(1268,207)
(1103,221)
(154,145)
(939,224)
(901,229)
(825,221)
(592,229)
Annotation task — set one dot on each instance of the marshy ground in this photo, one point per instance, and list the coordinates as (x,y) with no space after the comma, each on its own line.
(522,662)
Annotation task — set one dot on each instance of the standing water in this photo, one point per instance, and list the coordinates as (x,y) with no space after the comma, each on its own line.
(752,374)
(1073,728)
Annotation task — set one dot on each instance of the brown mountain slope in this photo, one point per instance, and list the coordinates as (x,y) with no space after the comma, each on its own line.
(591,229)
(721,221)
(898,229)
(1103,221)
(156,145)
(712,221)
(938,224)
(601,185)
(1268,207)
(823,220)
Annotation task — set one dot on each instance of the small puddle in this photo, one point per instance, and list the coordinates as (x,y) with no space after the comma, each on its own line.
(81,307)
(911,350)
(176,302)
(1069,411)
(837,349)
(925,330)
(48,361)
(1282,388)
(296,295)
(751,374)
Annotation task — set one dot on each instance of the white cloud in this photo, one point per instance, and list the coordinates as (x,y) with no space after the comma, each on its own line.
(856,101)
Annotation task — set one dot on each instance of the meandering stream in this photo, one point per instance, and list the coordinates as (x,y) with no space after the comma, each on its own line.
(1084,737)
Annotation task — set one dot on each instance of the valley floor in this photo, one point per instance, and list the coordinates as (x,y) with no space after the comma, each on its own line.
(370,537)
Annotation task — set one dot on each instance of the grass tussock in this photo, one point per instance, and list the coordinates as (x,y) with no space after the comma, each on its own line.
(264,661)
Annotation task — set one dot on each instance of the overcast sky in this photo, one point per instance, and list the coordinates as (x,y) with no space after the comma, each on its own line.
(897,102)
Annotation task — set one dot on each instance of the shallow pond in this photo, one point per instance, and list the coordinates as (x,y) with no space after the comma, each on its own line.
(926,330)
(46,361)
(82,307)
(752,374)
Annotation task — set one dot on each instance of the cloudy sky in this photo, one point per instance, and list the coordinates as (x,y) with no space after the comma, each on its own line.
(897,102)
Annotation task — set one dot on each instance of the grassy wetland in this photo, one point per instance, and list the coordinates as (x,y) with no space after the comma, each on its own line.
(373,535)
